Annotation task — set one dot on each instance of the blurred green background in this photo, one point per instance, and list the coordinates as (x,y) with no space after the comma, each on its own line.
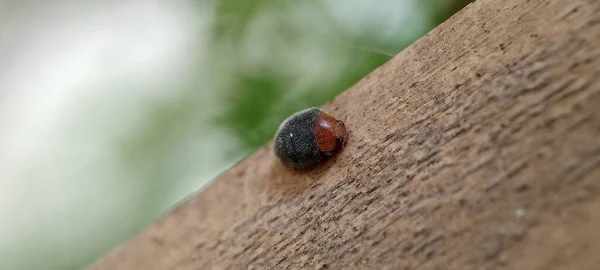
(112,112)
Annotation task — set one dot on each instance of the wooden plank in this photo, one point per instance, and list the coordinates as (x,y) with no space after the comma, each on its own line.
(478,147)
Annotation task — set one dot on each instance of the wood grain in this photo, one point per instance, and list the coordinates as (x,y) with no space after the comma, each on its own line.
(478,147)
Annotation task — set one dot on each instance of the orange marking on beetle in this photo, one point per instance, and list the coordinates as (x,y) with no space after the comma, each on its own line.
(329,132)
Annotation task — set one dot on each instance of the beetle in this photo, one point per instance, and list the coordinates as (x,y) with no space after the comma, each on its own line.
(309,137)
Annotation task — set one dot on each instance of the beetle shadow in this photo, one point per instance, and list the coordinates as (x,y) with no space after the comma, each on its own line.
(285,181)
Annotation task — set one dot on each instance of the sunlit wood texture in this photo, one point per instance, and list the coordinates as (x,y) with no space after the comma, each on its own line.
(478,147)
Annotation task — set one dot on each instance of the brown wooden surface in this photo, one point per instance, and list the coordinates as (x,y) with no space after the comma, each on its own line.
(478,147)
